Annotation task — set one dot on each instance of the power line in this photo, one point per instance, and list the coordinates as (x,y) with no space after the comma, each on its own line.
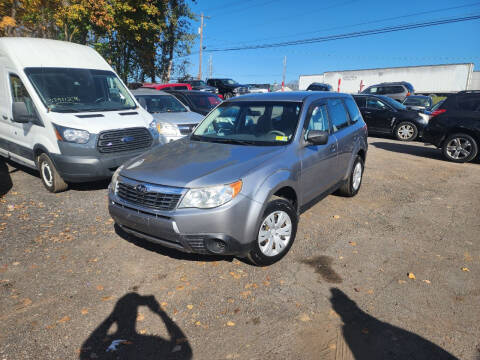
(351,35)
(359,24)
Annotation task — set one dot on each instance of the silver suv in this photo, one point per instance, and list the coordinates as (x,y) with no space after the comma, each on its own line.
(238,184)
(395,90)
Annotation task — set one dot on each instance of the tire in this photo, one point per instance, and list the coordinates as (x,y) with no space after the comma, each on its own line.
(406,131)
(279,244)
(52,181)
(460,148)
(354,181)
(228,96)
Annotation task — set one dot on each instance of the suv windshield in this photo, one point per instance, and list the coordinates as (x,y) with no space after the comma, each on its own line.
(250,123)
(160,103)
(394,103)
(229,82)
(77,90)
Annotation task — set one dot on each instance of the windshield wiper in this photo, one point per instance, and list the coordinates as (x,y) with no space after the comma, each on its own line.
(229,141)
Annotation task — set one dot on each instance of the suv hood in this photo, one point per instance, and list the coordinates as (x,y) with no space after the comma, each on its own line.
(185,163)
(188,117)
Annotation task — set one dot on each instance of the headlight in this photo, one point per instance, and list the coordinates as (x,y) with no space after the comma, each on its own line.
(115,178)
(425,117)
(72,135)
(168,129)
(153,128)
(210,197)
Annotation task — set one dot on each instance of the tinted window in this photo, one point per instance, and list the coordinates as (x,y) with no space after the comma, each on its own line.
(396,90)
(469,103)
(318,118)
(318,88)
(205,101)
(375,104)
(353,110)
(338,114)
(361,101)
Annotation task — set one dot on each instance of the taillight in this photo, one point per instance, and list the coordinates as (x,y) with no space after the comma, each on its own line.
(408,93)
(437,112)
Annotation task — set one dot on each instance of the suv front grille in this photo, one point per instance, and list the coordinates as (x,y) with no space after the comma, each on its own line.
(150,198)
(186,129)
(124,140)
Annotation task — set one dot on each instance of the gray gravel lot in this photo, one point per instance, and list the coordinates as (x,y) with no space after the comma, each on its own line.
(71,283)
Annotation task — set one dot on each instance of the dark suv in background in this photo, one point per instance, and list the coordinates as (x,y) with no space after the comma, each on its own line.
(228,88)
(395,90)
(455,126)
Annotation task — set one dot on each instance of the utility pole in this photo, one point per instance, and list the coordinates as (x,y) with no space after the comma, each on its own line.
(210,67)
(284,71)
(200,31)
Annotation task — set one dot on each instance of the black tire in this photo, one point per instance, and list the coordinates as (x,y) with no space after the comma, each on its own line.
(256,256)
(228,96)
(401,131)
(51,179)
(348,189)
(464,142)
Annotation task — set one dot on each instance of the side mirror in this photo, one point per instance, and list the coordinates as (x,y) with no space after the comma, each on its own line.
(317,137)
(21,113)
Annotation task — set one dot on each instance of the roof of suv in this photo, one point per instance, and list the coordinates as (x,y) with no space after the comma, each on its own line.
(405,83)
(287,96)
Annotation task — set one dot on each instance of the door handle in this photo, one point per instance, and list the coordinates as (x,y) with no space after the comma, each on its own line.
(333,148)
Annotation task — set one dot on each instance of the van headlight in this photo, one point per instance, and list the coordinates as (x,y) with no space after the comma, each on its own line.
(153,128)
(210,197)
(71,135)
(168,129)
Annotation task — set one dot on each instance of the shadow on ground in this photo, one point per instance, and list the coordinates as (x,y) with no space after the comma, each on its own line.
(165,251)
(5,179)
(125,343)
(369,338)
(406,148)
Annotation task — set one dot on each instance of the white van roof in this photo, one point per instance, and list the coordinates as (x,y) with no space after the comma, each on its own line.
(31,52)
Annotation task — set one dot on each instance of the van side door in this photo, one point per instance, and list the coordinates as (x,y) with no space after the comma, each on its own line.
(318,162)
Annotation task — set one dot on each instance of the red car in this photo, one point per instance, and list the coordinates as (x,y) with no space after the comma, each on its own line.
(176,86)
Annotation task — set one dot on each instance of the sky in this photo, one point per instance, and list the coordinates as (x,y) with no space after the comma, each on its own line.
(251,22)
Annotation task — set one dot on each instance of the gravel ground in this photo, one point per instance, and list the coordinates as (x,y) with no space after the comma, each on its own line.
(71,283)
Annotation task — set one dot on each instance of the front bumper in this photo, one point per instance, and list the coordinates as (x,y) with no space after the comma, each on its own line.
(226,230)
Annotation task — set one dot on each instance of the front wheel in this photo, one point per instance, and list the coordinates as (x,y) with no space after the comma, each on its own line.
(50,177)
(406,131)
(276,233)
(460,148)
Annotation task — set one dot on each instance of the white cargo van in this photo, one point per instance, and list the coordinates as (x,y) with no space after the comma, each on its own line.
(65,112)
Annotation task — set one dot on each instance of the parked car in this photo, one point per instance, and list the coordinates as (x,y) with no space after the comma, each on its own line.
(228,88)
(387,116)
(455,126)
(65,113)
(319,87)
(418,102)
(238,184)
(173,86)
(395,90)
(258,89)
(200,85)
(198,101)
(174,120)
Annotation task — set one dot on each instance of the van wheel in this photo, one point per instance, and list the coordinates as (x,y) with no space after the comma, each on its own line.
(406,131)
(49,174)
(276,233)
(354,181)
(460,148)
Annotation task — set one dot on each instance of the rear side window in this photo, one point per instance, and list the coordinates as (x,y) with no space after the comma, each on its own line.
(470,103)
(353,110)
(338,114)
(319,119)
(361,102)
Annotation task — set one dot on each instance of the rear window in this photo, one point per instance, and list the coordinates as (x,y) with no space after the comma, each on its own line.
(361,103)
(470,103)
(353,110)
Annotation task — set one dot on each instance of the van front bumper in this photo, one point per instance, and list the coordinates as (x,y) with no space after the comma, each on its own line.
(226,230)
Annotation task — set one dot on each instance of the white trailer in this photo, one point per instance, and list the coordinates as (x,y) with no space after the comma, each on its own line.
(428,79)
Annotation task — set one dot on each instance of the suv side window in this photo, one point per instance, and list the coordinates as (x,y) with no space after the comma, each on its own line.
(338,114)
(352,110)
(469,103)
(375,104)
(318,119)
(373,90)
(396,90)
(361,101)
(20,94)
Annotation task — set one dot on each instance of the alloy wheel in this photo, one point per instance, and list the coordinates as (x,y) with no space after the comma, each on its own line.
(459,148)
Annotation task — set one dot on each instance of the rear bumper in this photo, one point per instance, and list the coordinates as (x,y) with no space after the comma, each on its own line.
(432,137)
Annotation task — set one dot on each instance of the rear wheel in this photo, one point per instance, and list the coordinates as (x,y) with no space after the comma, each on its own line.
(276,233)
(406,131)
(50,177)
(460,148)
(352,185)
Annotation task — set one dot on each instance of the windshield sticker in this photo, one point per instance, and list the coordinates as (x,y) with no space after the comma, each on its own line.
(281,138)
(64,100)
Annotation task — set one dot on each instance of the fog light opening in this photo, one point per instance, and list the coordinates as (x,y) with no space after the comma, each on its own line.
(217,246)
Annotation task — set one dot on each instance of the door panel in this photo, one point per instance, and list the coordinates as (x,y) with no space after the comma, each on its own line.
(379,115)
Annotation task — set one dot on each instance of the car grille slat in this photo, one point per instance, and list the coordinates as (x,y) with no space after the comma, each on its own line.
(124,140)
(154,200)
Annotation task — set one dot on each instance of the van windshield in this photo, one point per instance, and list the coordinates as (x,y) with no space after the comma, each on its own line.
(80,90)
(250,123)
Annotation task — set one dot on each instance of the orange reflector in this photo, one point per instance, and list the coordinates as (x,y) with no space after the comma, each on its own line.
(236,187)
(57,134)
